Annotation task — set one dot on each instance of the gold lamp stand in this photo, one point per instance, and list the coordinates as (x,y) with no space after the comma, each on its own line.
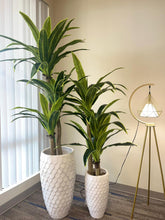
(150,127)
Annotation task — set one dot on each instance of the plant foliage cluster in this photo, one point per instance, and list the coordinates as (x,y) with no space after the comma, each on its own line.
(44,57)
(56,90)
(100,125)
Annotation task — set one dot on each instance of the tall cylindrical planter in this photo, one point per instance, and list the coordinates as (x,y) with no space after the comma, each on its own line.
(57,173)
(96,191)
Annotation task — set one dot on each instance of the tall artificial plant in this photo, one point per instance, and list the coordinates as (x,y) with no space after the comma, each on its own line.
(100,125)
(44,56)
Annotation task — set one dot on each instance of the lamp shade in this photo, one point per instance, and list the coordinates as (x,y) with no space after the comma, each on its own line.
(149,109)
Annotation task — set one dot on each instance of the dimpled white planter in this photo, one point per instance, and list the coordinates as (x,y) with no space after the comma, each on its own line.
(57,173)
(96,191)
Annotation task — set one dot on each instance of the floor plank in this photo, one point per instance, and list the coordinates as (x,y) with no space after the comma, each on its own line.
(119,206)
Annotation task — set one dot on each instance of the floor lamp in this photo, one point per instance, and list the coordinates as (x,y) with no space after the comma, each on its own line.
(149,111)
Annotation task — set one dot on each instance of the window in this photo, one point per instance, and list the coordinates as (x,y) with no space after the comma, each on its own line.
(20,141)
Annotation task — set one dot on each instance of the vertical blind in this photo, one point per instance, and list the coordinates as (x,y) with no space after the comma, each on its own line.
(20,141)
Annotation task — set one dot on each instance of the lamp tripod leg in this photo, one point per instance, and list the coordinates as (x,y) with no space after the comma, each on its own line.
(139,172)
(149,167)
(161,170)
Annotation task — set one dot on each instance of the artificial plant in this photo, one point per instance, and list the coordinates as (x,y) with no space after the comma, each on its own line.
(43,57)
(100,125)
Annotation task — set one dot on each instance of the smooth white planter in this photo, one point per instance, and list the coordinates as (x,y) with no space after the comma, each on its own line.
(96,191)
(57,173)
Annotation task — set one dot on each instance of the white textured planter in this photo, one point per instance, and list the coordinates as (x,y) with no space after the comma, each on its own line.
(57,173)
(96,191)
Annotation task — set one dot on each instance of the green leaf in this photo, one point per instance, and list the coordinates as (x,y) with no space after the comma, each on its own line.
(69,89)
(101,139)
(103,118)
(60,78)
(43,45)
(53,121)
(110,104)
(42,116)
(108,74)
(62,48)
(44,104)
(75,144)
(118,84)
(120,144)
(32,26)
(47,26)
(12,48)
(35,69)
(56,36)
(79,128)
(86,155)
(80,71)
(16,41)
(81,91)
(114,114)
(100,109)
(119,124)
(120,90)
(57,105)
(90,96)
(18,61)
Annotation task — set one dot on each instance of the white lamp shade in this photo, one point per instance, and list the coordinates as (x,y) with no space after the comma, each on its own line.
(149,111)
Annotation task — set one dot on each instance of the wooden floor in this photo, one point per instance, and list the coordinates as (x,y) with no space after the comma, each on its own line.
(119,206)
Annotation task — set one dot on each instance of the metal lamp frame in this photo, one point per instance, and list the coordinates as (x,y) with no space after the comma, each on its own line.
(149,126)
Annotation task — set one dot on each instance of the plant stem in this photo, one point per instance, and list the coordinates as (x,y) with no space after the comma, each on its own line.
(52,145)
(55,150)
(97,168)
(59,148)
(90,163)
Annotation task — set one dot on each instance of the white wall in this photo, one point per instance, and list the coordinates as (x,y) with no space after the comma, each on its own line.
(131,34)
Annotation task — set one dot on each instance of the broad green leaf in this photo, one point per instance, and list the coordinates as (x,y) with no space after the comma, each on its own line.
(104,128)
(80,71)
(35,69)
(47,26)
(57,105)
(100,109)
(101,139)
(53,121)
(44,104)
(79,88)
(32,27)
(43,45)
(56,36)
(86,155)
(90,96)
(103,118)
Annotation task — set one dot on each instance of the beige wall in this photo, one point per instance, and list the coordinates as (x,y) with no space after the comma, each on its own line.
(131,34)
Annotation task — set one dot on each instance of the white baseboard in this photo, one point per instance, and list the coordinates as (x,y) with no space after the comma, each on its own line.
(13,195)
